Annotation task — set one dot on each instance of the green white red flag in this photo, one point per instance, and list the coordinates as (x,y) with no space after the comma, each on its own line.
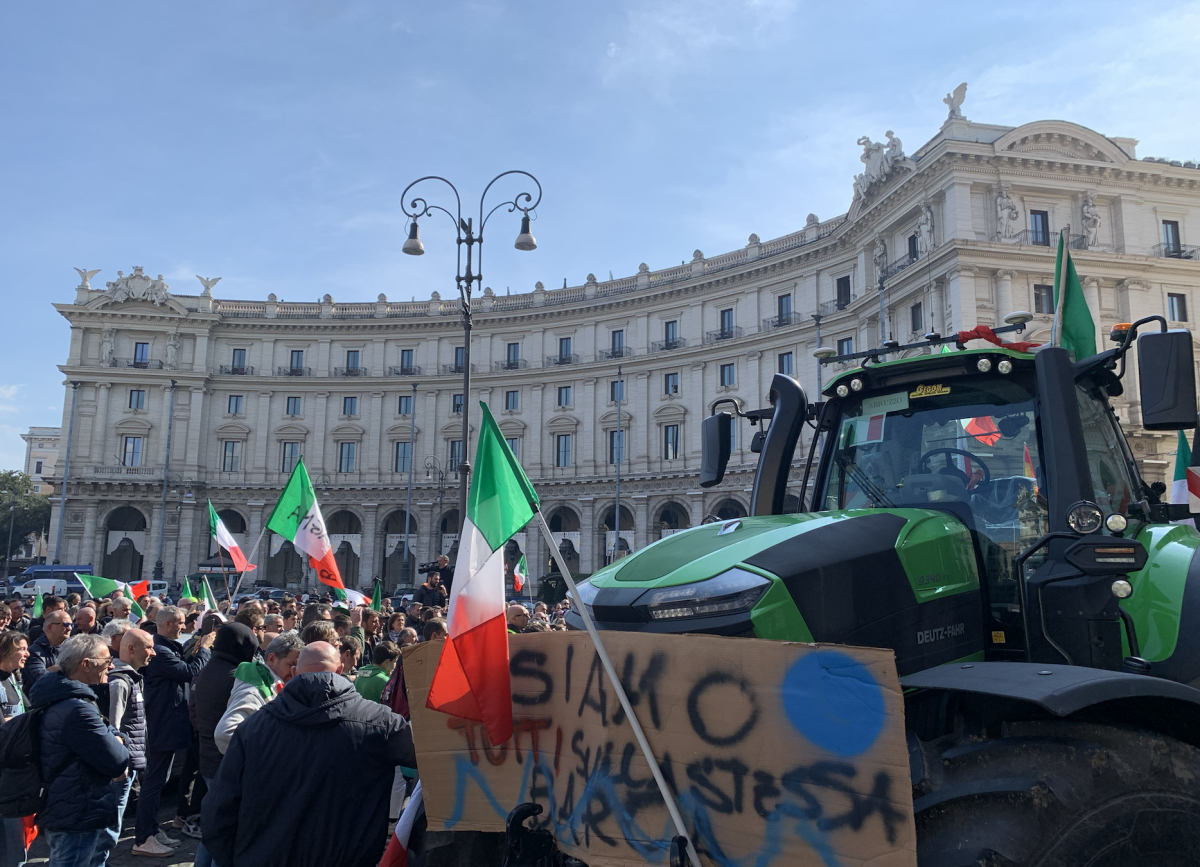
(297,518)
(519,572)
(98,588)
(218,531)
(472,679)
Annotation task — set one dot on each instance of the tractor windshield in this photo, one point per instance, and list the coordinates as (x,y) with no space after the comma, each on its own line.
(970,441)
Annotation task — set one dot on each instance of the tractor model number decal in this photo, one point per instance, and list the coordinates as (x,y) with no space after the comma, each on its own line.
(929,391)
(941,633)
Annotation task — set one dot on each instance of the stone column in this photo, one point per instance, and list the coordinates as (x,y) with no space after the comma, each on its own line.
(1004,302)
(639,397)
(937,306)
(589,536)
(698,400)
(695,501)
(196,422)
(641,521)
(253,527)
(320,429)
(372,440)
(370,536)
(753,378)
(99,444)
(160,447)
(89,535)
(1091,294)
(431,441)
(536,441)
(262,432)
(961,299)
(189,553)
(589,461)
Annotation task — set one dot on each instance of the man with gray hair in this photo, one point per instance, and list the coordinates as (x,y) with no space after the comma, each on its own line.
(115,631)
(82,758)
(256,683)
(168,727)
(43,653)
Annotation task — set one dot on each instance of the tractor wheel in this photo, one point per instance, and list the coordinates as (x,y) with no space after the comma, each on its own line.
(1058,794)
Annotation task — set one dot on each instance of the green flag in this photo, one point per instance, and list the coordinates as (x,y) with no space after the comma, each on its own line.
(377,597)
(1183,460)
(185,592)
(99,588)
(37,604)
(1076,328)
(210,601)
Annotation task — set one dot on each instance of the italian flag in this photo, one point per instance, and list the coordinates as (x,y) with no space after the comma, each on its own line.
(98,588)
(519,573)
(297,518)
(1185,488)
(471,680)
(207,602)
(377,597)
(216,528)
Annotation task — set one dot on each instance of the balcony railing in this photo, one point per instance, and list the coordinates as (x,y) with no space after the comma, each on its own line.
(896,267)
(404,371)
(828,308)
(616,352)
(351,371)
(510,364)
(120,470)
(668,345)
(557,360)
(139,363)
(780,321)
(1175,251)
(293,371)
(230,370)
(448,369)
(1038,238)
(723,334)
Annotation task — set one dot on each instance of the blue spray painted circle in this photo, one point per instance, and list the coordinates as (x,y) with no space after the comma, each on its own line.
(834,701)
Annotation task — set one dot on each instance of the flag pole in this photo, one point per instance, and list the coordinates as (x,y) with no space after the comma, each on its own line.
(249,559)
(640,735)
(1060,284)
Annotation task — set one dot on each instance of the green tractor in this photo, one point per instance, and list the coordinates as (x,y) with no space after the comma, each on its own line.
(980,513)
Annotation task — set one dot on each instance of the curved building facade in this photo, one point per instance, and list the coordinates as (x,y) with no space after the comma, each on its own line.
(959,233)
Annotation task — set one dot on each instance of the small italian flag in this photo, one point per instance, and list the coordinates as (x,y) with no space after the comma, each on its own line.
(472,679)
(225,539)
(297,518)
(377,597)
(185,592)
(1185,488)
(519,573)
(98,588)
(207,602)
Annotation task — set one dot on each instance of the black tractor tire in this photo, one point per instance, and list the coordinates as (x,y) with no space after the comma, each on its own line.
(1057,794)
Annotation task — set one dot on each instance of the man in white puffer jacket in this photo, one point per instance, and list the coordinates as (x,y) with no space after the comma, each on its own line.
(256,683)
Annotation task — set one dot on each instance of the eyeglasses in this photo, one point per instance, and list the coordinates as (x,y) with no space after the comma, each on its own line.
(107,660)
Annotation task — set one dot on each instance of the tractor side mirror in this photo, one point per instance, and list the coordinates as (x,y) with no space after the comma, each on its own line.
(1167,380)
(716,433)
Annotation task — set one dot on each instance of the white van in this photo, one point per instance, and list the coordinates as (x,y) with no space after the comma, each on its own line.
(157,587)
(41,586)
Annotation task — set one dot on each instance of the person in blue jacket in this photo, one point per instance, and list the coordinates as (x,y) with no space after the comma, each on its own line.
(84,760)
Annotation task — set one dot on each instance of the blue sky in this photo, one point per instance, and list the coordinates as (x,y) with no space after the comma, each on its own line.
(268,144)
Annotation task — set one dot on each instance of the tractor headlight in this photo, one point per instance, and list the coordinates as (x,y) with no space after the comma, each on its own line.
(587,592)
(1085,518)
(730,592)
(856,384)
(983,365)
(842,391)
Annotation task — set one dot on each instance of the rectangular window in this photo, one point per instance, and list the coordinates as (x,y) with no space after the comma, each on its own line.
(564,348)
(406,361)
(291,457)
(513,354)
(231,456)
(455,454)
(460,358)
(785,363)
(671,333)
(670,383)
(914,249)
(845,346)
(404,457)
(352,357)
(562,450)
(37,468)
(347,452)
(239,360)
(1176,307)
(727,322)
(133,452)
(616,390)
(728,374)
(512,400)
(297,362)
(456,404)
(670,442)
(1039,228)
(843,292)
(137,398)
(1171,239)
(1043,299)
(564,395)
(784,305)
(235,404)
(141,352)
(514,445)
(293,406)
(404,405)
(917,317)
(349,406)
(618,342)
(616,446)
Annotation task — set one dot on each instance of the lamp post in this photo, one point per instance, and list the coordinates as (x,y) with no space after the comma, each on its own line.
(62,495)
(434,469)
(466,235)
(412,454)
(162,512)
(187,495)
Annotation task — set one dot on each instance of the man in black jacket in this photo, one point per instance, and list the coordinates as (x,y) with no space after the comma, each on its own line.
(43,653)
(168,727)
(432,594)
(82,756)
(342,736)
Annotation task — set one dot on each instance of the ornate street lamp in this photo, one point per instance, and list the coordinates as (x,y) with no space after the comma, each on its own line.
(466,234)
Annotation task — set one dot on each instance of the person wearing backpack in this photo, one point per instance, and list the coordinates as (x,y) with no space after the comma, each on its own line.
(84,762)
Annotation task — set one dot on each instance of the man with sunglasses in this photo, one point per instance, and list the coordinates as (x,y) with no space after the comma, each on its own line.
(84,760)
(43,653)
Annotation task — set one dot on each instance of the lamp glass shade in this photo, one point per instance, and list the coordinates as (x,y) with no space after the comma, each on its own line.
(525,240)
(413,245)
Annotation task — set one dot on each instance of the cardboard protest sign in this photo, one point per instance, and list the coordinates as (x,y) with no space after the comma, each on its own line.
(779,754)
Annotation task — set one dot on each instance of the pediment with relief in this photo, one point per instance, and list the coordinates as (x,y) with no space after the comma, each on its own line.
(1056,140)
